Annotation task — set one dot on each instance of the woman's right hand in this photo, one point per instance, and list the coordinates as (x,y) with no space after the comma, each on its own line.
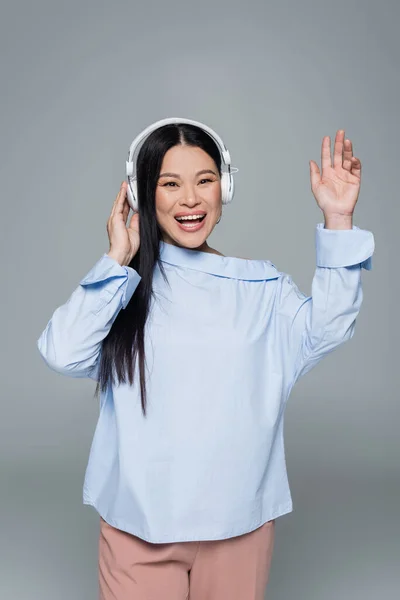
(124,241)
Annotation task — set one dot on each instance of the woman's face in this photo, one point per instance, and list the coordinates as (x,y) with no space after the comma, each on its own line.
(189,184)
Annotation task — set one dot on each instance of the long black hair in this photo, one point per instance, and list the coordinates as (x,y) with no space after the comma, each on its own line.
(125,340)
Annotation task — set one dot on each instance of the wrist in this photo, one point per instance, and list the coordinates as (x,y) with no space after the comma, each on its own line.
(338,221)
(120,259)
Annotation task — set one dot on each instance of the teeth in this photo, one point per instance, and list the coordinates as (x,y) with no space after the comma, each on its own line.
(189,217)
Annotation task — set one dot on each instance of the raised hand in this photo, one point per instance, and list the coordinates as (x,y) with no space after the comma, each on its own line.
(124,241)
(336,189)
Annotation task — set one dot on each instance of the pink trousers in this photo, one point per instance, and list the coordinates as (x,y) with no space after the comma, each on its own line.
(231,569)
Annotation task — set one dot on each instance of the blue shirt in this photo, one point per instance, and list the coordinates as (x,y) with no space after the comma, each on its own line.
(225,343)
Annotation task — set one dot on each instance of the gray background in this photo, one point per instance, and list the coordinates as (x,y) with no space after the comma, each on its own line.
(79,80)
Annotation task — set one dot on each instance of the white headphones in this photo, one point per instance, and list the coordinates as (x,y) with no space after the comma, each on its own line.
(227,183)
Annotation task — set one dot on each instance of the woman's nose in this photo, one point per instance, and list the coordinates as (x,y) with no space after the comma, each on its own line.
(190,197)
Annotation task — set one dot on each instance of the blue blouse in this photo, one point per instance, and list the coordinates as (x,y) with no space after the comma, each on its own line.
(226,341)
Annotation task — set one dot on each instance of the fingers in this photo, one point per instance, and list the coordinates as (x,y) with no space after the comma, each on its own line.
(120,207)
(326,161)
(338,149)
(125,210)
(119,200)
(356,166)
(342,154)
(134,222)
(350,162)
(347,155)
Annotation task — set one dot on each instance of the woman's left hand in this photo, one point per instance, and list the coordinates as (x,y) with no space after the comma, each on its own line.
(336,189)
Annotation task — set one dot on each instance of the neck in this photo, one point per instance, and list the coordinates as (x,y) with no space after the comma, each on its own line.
(204,247)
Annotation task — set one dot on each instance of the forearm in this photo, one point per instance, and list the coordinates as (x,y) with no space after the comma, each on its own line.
(324,320)
(71,342)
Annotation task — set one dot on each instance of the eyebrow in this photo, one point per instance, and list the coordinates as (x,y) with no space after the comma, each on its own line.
(198,173)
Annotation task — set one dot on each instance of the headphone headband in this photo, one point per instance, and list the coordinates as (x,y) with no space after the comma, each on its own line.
(227,183)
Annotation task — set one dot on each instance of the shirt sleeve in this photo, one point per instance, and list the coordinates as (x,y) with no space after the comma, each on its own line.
(317,324)
(71,342)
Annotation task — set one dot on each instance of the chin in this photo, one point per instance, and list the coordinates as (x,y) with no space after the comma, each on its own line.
(191,241)
(188,239)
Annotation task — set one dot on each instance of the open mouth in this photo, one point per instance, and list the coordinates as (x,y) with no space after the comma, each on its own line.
(190,221)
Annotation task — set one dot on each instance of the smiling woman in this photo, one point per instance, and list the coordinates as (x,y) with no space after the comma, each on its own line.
(195,355)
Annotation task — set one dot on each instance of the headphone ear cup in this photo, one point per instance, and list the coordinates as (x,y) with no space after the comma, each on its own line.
(227,187)
(133,194)
(232,187)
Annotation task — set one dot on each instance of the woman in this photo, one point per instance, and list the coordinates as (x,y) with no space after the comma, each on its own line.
(195,355)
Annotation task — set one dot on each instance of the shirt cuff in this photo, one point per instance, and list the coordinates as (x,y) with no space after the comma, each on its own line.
(344,247)
(107,269)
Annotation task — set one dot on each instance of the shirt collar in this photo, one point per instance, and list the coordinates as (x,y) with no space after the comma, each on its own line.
(222,266)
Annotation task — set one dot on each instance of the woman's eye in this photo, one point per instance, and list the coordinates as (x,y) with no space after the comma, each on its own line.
(173,183)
